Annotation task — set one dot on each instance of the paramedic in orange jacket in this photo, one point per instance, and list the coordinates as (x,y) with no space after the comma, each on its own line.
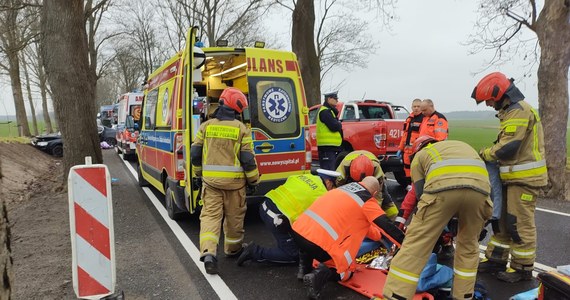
(411,133)
(434,123)
(222,157)
(332,229)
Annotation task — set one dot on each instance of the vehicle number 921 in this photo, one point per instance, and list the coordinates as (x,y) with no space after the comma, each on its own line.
(395,133)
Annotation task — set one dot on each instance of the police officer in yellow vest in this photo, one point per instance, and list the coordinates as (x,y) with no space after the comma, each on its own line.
(329,132)
(222,155)
(450,180)
(519,150)
(348,171)
(280,209)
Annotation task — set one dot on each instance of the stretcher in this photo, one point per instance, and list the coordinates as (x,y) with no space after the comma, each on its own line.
(370,283)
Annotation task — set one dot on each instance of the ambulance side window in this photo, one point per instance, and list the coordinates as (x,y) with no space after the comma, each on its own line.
(150,109)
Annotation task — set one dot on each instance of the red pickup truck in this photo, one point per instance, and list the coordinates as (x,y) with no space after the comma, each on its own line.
(372,125)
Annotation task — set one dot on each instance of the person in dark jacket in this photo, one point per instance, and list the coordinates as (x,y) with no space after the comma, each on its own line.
(329,132)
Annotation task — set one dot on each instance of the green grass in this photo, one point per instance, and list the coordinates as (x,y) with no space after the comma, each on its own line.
(480,133)
(11,129)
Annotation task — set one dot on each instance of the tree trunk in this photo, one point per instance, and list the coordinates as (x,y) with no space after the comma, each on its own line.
(65,53)
(5,250)
(30,98)
(553,31)
(43,91)
(303,44)
(14,71)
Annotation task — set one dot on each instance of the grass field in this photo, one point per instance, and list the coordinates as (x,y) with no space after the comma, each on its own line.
(11,130)
(480,133)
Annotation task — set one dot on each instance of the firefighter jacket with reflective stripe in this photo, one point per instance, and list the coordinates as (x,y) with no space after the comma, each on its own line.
(297,194)
(226,156)
(326,136)
(520,146)
(434,126)
(411,130)
(338,221)
(449,165)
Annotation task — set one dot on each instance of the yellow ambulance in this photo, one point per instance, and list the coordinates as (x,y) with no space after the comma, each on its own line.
(184,92)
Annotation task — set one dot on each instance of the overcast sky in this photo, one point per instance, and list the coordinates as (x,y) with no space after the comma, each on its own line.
(421,57)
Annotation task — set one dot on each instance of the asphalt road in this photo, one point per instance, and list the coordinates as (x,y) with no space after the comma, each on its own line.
(264,281)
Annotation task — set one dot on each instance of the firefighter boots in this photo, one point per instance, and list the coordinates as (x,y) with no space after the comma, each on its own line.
(512,275)
(211,264)
(487,266)
(316,280)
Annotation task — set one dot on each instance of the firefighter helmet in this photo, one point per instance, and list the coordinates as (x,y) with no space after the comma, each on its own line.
(491,87)
(361,167)
(421,142)
(234,99)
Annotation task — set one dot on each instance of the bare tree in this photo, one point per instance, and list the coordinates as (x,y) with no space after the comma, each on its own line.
(29,93)
(14,36)
(234,21)
(39,72)
(338,38)
(65,50)
(500,28)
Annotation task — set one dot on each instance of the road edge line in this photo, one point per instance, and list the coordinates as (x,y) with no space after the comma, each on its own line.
(216,282)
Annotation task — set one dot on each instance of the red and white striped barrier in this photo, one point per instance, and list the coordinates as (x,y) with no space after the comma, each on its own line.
(92,234)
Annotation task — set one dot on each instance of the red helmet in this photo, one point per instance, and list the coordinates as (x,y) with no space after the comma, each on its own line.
(491,87)
(361,167)
(234,99)
(421,142)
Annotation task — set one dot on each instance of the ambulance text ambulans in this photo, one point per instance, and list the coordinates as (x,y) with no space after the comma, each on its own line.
(128,121)
(185,91)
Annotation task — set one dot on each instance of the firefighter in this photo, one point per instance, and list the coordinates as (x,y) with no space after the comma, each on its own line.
(329,132)
(222,156)
(434,123)
(281,208)
(331,231)
(519,151)
(451,180)
(361,163)
(411,133)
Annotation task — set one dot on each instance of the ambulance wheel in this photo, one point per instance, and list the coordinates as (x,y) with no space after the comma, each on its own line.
(401,178)
(142,181)
(173,211)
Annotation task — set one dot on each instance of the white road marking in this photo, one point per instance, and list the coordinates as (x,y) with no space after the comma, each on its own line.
(553,212)
(218,285)
(538,266)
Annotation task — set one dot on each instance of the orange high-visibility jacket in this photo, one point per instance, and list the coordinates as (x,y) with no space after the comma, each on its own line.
(339,220)
(435,126)
(411,131)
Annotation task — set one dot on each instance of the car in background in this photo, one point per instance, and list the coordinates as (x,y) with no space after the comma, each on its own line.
(50,143)
(53,143)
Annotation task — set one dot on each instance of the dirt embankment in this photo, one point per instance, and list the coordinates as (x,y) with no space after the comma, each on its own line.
(38,216)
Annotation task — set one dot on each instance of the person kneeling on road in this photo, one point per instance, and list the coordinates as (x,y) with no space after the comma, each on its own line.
(331,231)
(280,209)
(451,180)
(361,163)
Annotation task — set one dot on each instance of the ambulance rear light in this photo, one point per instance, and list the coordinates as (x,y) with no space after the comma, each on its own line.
(179,155)
(308,156)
